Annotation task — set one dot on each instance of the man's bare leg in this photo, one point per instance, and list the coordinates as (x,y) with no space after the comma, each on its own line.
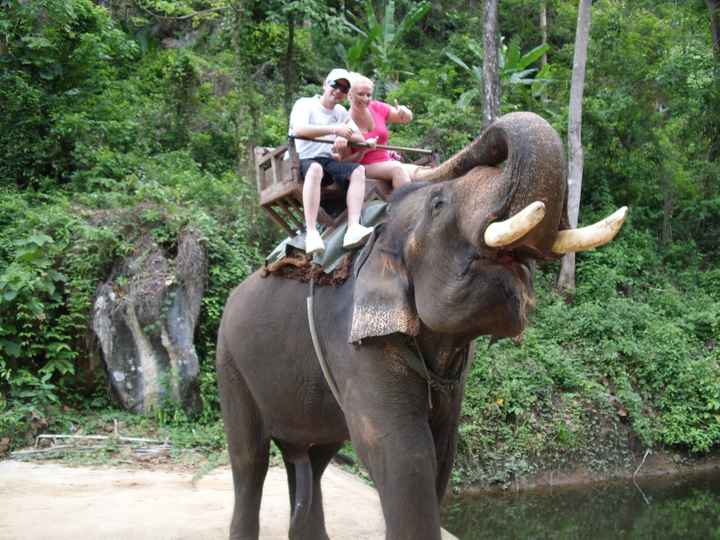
(311,205)
(311,195)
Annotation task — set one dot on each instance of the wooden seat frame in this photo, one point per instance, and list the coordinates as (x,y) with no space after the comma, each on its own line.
(280,189)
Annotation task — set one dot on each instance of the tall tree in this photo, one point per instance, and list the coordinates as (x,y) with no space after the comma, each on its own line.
(566,280)
(491,69)
(248,122)
(714,9)
(543,30)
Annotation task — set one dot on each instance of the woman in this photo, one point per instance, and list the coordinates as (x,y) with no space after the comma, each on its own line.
(372,117)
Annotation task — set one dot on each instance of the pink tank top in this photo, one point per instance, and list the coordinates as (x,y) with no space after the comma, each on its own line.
(380,111)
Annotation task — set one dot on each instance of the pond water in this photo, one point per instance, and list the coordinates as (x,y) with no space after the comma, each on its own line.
(676,508)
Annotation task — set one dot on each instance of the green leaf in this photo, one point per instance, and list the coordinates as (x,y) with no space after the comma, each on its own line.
(458,61)
(10,347)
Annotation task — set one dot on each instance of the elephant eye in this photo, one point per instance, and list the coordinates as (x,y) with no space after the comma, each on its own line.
(436,204)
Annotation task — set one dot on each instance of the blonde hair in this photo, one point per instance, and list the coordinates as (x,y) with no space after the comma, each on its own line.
(358,78)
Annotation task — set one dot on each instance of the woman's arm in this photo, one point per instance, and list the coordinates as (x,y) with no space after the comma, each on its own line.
(399,114)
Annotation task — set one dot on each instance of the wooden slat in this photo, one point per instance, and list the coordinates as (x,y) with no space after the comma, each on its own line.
(278,191)
(284,205)
(279,220)
(276,171)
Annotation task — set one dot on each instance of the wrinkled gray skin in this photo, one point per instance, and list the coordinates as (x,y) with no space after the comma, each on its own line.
(427,274)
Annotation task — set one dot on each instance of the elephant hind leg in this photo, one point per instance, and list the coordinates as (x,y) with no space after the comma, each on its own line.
(320,457)
(248,448)
(300,486)
(305,468)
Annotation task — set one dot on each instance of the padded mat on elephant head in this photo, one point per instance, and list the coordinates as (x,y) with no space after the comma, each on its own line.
(333,267)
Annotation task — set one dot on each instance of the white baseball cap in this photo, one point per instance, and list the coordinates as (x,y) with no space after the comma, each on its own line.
(338,74)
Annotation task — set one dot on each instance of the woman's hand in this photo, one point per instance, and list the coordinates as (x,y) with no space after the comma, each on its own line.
(401,114)
(371,142)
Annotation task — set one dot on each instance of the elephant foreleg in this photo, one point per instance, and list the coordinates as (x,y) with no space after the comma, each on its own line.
(445,434)
(394,440)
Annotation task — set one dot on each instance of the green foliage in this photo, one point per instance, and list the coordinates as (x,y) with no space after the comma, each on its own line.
(57,58)
(115,124)
(515,75)
(635,350)
(378,51)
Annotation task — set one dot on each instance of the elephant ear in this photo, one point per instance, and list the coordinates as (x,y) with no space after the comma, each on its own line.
(382,302)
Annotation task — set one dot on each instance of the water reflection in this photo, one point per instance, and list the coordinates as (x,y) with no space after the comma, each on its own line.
(687,508)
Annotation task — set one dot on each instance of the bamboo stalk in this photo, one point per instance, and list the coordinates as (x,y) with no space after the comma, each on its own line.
(424,151)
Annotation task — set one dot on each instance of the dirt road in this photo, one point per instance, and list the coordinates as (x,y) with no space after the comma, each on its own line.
(55,502)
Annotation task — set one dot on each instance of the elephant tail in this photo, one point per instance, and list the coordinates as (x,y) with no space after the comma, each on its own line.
(302,501)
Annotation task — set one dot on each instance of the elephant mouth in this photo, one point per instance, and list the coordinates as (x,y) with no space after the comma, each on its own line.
(518,264)
(512,260)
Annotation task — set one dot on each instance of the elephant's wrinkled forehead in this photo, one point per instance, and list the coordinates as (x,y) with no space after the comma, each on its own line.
(478,190)
(409,199)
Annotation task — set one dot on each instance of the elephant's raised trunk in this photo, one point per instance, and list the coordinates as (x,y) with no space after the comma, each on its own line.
(533,172)
(515,171)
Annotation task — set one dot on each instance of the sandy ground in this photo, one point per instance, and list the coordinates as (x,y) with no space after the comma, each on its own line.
(51,501)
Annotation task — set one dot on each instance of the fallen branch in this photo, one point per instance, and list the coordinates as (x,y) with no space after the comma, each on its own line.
(101,438)
(57,448)
(647,452)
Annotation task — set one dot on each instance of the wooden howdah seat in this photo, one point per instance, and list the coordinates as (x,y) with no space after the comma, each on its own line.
(280,189)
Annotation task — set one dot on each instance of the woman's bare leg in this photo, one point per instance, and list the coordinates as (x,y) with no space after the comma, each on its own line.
(392,171)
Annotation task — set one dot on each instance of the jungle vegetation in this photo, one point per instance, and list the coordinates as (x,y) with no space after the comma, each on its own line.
(115,104)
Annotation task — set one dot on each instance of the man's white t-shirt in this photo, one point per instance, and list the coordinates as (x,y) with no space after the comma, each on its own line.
(310,112)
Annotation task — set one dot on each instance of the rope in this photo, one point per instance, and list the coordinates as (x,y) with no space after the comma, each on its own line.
(316,344)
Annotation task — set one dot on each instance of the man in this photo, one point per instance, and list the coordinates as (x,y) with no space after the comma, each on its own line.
(324,116)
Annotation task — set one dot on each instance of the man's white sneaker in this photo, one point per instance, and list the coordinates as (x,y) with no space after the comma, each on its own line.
(356,235)
(313,243)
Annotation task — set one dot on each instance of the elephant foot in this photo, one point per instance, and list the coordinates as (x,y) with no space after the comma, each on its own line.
(309,534)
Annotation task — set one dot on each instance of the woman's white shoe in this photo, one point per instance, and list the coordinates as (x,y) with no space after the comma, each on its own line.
(356,235)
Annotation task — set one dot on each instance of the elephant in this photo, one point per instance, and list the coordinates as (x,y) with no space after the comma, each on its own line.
(452,260)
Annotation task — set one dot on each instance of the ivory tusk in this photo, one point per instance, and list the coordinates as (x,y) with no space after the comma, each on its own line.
(592,236)
(504,233)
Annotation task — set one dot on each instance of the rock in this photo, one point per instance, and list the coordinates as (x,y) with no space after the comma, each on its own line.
(144,318)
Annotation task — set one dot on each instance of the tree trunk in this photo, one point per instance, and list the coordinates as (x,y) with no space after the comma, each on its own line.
(491,70)
(714,9)
(249,98)
(668,208)
(566,280)
(543,30)
(289,65)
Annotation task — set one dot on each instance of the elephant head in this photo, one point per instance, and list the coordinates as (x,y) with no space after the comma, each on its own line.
(455,252)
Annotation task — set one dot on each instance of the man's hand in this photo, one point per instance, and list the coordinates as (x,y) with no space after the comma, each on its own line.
(343,130)
(340,144)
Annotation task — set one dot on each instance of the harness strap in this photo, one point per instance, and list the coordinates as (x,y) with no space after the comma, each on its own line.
(318,348)
(445,385)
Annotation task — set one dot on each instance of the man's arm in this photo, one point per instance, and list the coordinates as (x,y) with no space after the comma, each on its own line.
(312,131)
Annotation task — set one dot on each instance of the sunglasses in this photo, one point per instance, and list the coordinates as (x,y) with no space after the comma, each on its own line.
(344,88)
